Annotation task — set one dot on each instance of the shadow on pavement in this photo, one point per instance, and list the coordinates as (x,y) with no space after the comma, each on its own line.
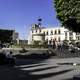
(31,59)
(68,79)
(17,73)
(11,73)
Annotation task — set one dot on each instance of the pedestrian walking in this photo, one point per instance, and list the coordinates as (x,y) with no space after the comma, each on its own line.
(10,58)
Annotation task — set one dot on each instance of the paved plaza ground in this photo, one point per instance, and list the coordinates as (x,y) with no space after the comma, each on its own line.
(52,68)
(48,69)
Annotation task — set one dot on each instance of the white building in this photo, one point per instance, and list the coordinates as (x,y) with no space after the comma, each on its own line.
(15,37)
(57,34)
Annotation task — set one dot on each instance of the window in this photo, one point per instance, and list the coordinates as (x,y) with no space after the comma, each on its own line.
(32,40)
(65,38)
(32,31)
(46,41)
(55,39)
(59,39)
(70,38)
(39,30)
(44,33)
(47,33)
(70,34)
(51,32)
(65,33)
(59,32)
(51,38)
(53,42)
(78,38)
(36,31)
(55,32)
(50,41)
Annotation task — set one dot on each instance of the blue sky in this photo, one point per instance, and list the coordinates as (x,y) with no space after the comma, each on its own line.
(20,14)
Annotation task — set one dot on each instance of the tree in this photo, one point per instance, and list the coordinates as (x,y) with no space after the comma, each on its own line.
(36,43)
(45,44)
(68,12)
(65,42)
(6,35)
(73,42)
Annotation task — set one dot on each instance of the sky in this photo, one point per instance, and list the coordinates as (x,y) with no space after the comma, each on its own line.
(21,14)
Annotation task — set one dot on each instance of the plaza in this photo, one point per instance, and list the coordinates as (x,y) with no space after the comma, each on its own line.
(49,69)
(44,49)
(61,67)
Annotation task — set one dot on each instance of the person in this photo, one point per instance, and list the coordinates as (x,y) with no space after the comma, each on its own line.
(54,45)
(10,58)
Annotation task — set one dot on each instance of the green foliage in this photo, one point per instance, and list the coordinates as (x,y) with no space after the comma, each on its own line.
(36,43)
(23,50)
(40,44)
(68,12)
(78,44)
(73,42)
(45,44)
(6,35)
(65,42)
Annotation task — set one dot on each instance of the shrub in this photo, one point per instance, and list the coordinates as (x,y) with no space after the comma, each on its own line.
(23,50)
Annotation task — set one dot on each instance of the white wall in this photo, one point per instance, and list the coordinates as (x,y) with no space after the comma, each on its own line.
(37,38)
(49,36)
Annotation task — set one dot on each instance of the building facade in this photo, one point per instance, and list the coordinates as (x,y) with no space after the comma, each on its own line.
(15,37)
(57,34)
